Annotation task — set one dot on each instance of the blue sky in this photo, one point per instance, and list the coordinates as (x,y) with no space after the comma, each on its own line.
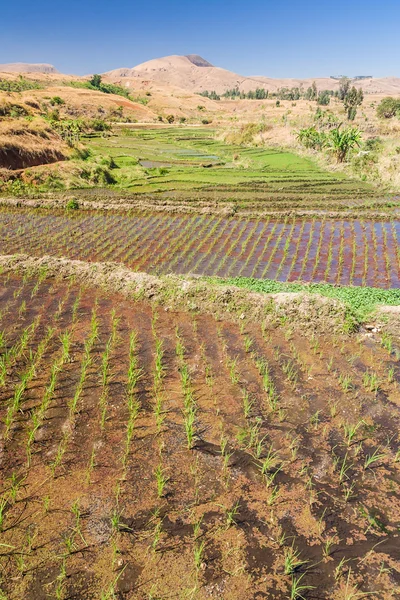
(293,38)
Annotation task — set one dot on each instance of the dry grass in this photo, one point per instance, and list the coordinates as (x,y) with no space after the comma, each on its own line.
(24,144)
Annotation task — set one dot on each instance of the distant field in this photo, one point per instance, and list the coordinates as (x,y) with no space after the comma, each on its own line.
(190,163)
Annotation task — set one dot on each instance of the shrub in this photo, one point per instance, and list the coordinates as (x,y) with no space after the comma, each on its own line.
(340,142)
(373,144)
(72,204)
(388,108)
(309,137)
(170,119)
(19,85)
(99,125)
(206,121)
(56,100)
(12,110)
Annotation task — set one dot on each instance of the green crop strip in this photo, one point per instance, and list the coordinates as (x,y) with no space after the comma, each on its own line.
(361,300)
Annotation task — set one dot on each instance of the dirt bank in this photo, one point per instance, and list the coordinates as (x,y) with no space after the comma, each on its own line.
(306,311)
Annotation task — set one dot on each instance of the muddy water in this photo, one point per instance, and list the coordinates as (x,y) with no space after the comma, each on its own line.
(355,252)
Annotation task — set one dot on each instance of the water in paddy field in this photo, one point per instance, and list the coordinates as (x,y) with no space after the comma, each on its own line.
(345,252)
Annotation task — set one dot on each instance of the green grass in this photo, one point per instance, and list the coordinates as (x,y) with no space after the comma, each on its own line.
(361,300)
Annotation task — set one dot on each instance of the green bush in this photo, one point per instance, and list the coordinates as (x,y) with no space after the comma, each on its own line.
(310,137)
(99,125)
(72,204)
(388,108)
(56,100)
(106,88)
(19,85)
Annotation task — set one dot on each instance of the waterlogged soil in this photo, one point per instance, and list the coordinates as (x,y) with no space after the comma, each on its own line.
(337,251)
(291,477)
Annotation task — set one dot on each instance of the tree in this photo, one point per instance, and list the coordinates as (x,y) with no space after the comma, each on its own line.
(340,142)
(324,98)
(344,86)
(95,81)
(314,91)
(388,108)
(353,99)
(170,119)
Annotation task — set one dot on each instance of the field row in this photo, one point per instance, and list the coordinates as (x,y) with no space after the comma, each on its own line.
(354,252)
(152,454)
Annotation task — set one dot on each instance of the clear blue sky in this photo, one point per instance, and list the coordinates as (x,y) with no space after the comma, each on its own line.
(290,38)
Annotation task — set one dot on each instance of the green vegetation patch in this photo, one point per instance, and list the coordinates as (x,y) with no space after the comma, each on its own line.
(19,85)
(362,301)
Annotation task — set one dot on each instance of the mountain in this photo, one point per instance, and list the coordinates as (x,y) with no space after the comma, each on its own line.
(28,68)
(195,74)
(192,73)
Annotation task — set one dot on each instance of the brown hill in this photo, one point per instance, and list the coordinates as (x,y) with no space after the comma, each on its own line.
(195,74)
(27,68)
(183,72)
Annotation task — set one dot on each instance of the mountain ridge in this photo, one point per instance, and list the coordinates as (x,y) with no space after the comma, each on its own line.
(195,74)
(19,67)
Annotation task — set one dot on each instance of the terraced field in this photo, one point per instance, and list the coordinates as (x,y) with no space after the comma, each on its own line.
(190,165)
(346,252)
(154,454)
(177,437)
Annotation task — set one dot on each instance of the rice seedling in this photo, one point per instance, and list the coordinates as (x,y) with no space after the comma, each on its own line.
(327,547)
(372,459)
(161,480)
(269,462)
(387,342)
(247,404)
(370,382)
(274,495)
(3,508)
(350,432)
(390,375)
(345,466)
(248,343)
(231,514)
(293,561)
(199,554)
(189,423)
(297,588)
(346,383)
(233,372)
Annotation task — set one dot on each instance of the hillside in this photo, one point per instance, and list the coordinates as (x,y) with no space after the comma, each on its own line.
(195,74)
(27,68)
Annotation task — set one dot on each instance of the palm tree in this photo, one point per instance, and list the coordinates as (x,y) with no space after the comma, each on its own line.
(340,142)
